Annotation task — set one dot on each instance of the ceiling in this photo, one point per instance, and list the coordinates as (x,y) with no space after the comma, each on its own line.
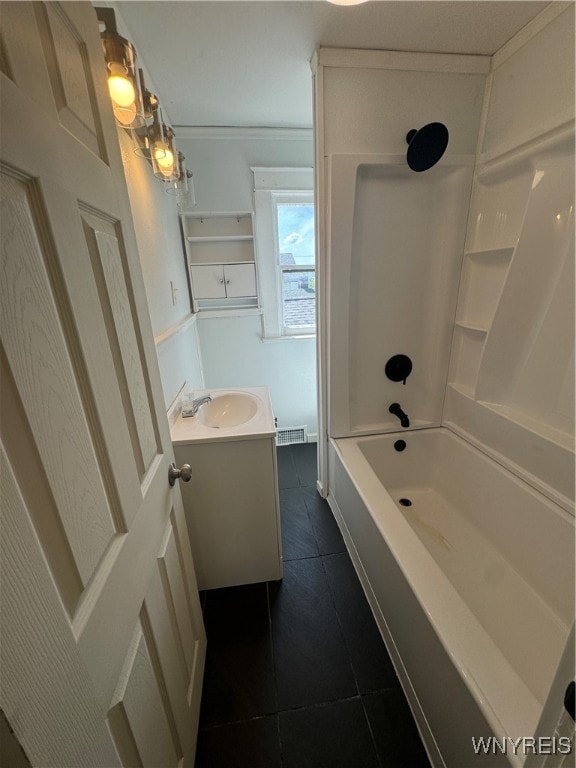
(245,63)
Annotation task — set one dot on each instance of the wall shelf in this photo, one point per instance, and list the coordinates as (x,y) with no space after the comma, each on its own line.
(209,263)
(220,256)
(219,239)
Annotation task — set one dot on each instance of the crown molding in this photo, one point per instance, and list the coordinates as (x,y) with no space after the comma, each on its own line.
(401,60)
(236,133)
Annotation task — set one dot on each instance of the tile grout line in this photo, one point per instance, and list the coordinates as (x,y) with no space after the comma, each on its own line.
(277,713)
(367,719)
(371,731)
(331,596)
(346,645)
(243,720)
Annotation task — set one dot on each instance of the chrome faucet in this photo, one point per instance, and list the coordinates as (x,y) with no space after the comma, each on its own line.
(195,407)
(397,411)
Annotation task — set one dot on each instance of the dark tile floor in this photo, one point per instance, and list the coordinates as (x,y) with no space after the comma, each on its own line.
(297,675)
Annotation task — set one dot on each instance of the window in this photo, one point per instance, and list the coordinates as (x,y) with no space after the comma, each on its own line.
(295,263)
(285,250)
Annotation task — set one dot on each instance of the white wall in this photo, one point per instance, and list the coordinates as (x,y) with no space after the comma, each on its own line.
(216,353)
(233,353)
(220,160)
(532,89)
(235,356)
(157,228)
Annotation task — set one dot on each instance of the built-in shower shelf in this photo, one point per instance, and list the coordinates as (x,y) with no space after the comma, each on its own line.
(461,389)
(468,348)
(492,253)
(483,277)
(472,327)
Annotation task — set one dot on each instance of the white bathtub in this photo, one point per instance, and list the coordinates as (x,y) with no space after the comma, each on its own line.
(472,585)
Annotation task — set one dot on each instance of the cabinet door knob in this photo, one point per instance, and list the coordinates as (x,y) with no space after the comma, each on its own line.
(184,473)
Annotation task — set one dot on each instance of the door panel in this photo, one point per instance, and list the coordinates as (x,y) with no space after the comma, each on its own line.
(108,267)
(70,76)
(32,331)
(103,645)
(25,65)
(139,698)
(53,719)
(26,462)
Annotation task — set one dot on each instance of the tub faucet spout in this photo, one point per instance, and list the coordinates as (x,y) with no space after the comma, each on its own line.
(397,411)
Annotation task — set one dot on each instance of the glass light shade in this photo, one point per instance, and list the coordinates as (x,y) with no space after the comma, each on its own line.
(347,2)
(152,139)
(123,81)
(180,186)
(163,155)
(164,160)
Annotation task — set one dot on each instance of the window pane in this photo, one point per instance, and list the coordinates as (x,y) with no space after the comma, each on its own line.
(298,298)
(295,233)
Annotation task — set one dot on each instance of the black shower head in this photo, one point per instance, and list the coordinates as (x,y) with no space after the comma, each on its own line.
(426,146)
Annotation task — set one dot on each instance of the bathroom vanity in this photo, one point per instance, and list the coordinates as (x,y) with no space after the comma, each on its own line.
(231,502)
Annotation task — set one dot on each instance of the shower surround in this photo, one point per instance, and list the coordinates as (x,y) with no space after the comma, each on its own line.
(467,269)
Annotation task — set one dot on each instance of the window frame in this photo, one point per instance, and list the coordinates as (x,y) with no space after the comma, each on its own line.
(291,198)
(273,186)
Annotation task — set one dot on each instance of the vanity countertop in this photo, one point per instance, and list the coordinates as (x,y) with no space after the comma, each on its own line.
(192,430)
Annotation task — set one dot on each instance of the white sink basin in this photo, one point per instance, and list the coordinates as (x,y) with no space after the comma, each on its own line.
(232,414)
(228,410)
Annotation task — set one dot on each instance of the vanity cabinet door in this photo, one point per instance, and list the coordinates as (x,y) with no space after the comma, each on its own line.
(208,281)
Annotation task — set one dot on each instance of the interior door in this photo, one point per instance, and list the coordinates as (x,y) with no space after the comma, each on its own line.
(102,639)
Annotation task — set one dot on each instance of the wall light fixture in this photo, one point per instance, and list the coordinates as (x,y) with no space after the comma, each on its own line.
(123,78)
(139,110)
(162,151)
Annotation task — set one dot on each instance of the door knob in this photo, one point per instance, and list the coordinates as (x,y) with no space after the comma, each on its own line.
(184,473)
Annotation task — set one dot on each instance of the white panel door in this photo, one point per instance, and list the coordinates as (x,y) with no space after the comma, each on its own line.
(102,643)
